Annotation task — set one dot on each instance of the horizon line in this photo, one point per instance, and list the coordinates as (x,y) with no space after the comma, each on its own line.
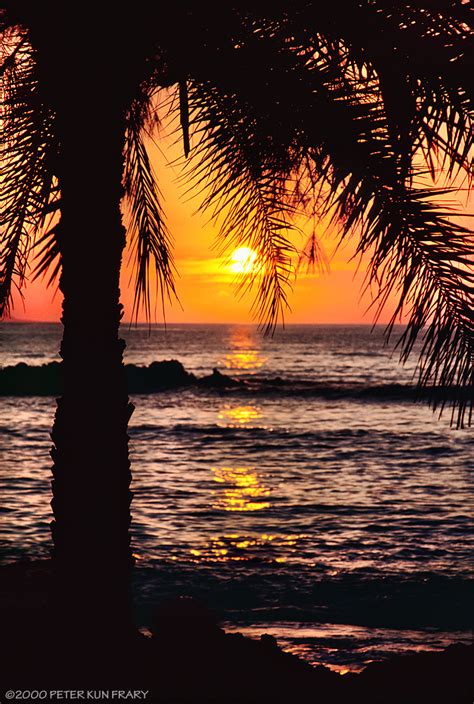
(133,324)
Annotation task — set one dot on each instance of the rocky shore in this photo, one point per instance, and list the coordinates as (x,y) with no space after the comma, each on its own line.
(188,659)
(46,380)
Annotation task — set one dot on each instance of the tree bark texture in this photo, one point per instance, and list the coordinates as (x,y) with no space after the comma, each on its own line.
(91,485)
(90,64)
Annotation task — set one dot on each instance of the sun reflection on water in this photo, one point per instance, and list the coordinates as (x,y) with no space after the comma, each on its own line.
(242,490)
(236,547)
(244,354)
(240,415)
(247,360)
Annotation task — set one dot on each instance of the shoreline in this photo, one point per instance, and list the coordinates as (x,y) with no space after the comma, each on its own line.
(185,638)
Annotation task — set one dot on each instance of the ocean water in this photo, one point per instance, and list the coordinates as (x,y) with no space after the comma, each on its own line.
(316,501)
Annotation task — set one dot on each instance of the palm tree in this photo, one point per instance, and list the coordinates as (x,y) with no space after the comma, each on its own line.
(346,111)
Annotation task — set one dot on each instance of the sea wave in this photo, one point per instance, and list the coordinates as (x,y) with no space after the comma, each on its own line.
(417,600)
(46,380)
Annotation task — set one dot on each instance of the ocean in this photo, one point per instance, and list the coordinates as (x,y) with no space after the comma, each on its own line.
(315,500)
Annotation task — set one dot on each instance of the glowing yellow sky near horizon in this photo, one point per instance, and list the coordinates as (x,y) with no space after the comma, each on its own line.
(207,282)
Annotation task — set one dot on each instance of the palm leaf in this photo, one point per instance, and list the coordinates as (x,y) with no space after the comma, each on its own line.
(340,129)
(244,183)
(149,238)
(28,150)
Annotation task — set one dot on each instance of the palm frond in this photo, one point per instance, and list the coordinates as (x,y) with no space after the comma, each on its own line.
(416,250)
(27,151)
(343,130)
(424,259)
(48,255)
(244,179)
(313,255)
(149,237)
(432,94)
(420,56)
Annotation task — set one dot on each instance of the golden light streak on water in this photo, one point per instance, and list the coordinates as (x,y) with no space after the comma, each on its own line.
(245,354)
(240,415)
(241,548)
(243,489)
(248,360)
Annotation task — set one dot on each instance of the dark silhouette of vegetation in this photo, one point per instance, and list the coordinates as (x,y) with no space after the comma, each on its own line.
(346,110)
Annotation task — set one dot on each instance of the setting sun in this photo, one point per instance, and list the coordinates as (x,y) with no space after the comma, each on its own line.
(243,260)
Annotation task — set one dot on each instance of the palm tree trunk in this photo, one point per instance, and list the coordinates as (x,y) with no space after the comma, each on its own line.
(91,486)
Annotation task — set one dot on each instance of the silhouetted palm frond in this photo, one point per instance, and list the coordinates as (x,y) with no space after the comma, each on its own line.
(424,260)
(244,182)
(29,193)
(350,105)
(150,240)
(386,100)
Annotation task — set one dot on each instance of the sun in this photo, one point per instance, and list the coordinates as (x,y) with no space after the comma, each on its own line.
(243,260)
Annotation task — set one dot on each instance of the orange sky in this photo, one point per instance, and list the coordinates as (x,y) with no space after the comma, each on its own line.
(206,285)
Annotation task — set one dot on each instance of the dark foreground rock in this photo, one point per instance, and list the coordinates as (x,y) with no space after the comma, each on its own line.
(189,659)
(422,677)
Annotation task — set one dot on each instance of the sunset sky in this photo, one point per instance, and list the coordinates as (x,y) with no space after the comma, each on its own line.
(207,283)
